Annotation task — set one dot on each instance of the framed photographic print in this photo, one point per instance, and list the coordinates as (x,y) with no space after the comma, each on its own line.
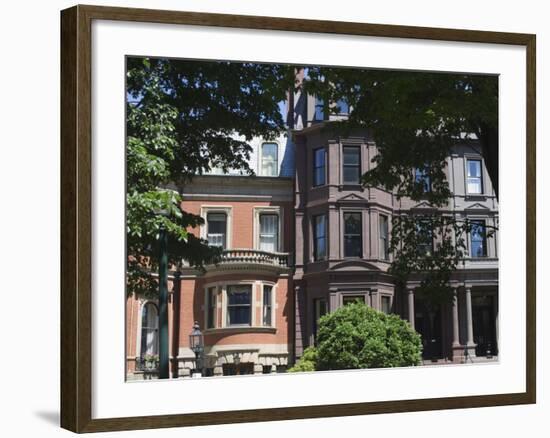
(271,218)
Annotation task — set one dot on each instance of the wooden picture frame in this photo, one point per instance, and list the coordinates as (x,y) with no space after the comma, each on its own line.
(76,218)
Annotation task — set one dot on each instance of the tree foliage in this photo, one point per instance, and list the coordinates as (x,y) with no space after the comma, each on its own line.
(183,118)
(308,361)
(357,336)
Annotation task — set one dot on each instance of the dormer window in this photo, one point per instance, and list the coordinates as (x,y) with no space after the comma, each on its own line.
(269,160)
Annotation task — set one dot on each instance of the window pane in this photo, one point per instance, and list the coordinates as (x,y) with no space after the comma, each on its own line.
(267,305)
(319,167)
(477,239)
(423,176)
(320,249)
(269,232)
(351,175)
(217,227)
(424,237)
(342,106)
(474,180)
(238,304)
(386,304)
(319,109)
(238,315)
(211,297)
(383,237)
(474,168)
(149,330)
(352,235)
(351,155)
(237,295)
(269,159)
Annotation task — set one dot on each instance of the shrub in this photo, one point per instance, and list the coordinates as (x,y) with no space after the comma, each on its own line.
(307,362)
(357,336)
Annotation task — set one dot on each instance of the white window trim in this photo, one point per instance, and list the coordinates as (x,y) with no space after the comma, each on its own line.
(475,157)
(228,211)
(260,156)
(256,225)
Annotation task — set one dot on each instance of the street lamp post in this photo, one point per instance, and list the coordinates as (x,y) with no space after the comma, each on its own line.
(163,304)
(196,344)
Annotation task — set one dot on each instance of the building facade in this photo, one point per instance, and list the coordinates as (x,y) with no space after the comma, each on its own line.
(301,238)
(342,238)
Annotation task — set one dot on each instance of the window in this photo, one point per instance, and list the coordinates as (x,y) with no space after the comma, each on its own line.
(385,304)
(353,235)
(474,180)
(267,305)
(149,330)
(384,243)
(422,176)
(269,165)
(211,307)
(478,246)
(269,232)
(320,237)
(343,107)
(350,299)
(319,158)
(424,235)
(239,299)
(319,109)
(217,229)
(320,309)
(352,165)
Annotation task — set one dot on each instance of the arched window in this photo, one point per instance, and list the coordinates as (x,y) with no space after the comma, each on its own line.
(149,330)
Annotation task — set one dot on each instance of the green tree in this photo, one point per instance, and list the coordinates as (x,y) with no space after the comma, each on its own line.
(183,118)
(308,361)
(357,336)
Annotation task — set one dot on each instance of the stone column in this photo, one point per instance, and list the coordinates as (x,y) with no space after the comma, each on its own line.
(457,348)
(410,293)
(470,346)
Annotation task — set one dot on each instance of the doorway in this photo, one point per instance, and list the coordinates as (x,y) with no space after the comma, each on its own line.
(484,321)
